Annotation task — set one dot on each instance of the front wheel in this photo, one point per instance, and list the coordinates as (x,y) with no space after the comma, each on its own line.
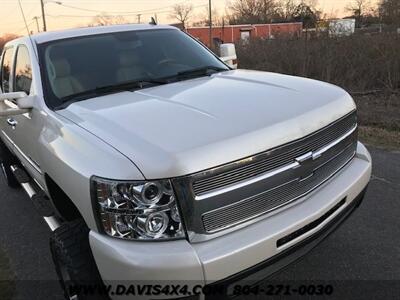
(74,262)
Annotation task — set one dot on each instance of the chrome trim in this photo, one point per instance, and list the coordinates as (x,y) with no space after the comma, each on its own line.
(12,122)
(321,151)
(38,183)
(29,160)
(304,157)
(248,182)
(52,221)
(283,204)
(7,137)
(28,189)
(314,155)
(200,237)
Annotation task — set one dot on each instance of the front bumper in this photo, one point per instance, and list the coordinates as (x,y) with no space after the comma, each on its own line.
(243,253)
(263,270)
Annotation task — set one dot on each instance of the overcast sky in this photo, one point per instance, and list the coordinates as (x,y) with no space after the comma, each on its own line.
(60,17)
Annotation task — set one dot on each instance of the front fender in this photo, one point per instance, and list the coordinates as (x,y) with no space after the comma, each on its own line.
(71,155)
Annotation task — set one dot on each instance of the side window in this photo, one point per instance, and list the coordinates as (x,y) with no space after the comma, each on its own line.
(6,70)
(23,71)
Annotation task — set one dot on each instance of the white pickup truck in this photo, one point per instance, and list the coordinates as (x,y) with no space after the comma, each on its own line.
(152,161)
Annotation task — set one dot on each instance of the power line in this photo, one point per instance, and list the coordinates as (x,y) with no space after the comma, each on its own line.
(25,27)
(120,12)
(116,15)
(159,10)
(28,15)
(93,16)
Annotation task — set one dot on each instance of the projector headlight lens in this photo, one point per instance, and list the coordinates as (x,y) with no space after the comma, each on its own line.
(137,210)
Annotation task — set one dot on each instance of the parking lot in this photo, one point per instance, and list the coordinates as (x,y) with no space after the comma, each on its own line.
(363,254)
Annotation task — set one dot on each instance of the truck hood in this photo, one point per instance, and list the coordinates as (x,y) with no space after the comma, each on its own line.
(189,126)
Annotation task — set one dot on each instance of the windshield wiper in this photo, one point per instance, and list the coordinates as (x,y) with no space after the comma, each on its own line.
(109,89)
(202,71)
(196,72)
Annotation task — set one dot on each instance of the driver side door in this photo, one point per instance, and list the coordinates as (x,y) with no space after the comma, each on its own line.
(6,66)
(24,130)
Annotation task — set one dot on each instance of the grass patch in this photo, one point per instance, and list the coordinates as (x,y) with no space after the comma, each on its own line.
(379,137)
(379,119)
(358,63)
(7,284)
(380,110)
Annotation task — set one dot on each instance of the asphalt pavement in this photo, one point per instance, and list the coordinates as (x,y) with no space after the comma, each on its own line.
(364,253)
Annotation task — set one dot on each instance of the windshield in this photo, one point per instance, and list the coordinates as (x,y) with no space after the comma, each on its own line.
(85,67)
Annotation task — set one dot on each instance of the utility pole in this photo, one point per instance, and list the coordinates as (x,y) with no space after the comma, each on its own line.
(210,20)
(37,23)
(138,18)
(43,16)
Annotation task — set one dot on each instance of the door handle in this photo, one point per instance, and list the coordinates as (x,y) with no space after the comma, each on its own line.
(13,123)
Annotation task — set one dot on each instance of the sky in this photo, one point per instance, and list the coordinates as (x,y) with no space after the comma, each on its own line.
(78,13)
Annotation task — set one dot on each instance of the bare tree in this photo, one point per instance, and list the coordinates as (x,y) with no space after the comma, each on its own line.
(5,38)
(359,9)
(307,13)
(253,11)
(288,8)
(389,11)
(105,19)
(182,12)
(204,20)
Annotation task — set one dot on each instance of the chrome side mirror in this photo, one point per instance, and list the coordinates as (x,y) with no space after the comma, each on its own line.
(24,102)
(228,54)
(12,96)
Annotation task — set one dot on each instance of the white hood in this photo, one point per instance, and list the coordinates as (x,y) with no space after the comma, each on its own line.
(189,126)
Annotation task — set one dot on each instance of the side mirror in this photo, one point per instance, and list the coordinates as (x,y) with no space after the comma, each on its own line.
(228,54)
(24,102)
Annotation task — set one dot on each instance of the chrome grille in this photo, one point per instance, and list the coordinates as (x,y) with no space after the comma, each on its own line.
(220,198)
(273,199)
(248,171)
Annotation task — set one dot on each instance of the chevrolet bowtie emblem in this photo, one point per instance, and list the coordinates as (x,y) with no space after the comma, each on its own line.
(306,165)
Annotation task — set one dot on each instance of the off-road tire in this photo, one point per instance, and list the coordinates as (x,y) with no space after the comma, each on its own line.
(74,262)
(6,161)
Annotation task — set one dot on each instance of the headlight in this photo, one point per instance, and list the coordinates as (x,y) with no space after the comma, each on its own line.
(141,210)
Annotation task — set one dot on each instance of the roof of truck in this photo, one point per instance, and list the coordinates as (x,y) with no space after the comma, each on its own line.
(71,33)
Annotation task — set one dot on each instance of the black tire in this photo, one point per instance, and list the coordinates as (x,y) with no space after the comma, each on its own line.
(6,161)
(74,262)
